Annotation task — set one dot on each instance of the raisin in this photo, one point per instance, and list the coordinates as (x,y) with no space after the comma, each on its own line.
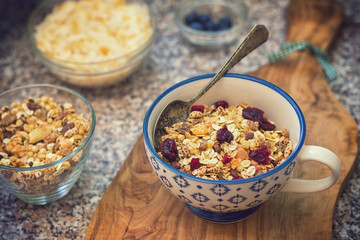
(7,134)
(223,104)
(249,135)
(185,127)
(67,127)
(224,135)
(169,150)
(253,114)
(194,164)
(199,108)
(33,105)
(62,115)
(217,148)
(260,155)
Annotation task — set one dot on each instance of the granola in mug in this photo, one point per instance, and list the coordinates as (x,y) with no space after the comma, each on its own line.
(223,142)
(36,132)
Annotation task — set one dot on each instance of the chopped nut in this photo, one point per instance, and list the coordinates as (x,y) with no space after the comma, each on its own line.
(203,145)
(51,138)
(254,126)
(8,119)
(39,134)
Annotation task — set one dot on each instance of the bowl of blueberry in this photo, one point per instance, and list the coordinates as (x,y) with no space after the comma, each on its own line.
(211,22)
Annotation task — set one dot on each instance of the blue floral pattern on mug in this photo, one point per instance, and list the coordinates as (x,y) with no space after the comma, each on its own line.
(237,199)
(220,189)
(185,199)
(273,189)
(258,185)
(290,168)
(200,197)
(220,207)
(154,163)
(181,181)
(254,203)
(166,181)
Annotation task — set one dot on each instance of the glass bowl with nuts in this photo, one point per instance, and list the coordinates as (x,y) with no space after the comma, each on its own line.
(45,138)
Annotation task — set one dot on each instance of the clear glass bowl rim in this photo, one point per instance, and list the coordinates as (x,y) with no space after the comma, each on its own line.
(81,147)
(134,55)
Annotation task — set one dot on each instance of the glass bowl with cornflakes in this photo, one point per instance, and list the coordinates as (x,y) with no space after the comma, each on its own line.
(45,138)
(92,43)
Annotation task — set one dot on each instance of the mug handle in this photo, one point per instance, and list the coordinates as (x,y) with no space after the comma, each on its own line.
(321,155)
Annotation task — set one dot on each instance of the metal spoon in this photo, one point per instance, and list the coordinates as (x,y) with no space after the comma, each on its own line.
(178,110)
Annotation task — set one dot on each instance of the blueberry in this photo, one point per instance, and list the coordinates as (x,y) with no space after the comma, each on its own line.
(197,26)
(191,17)
(210,26)
(205,18)
(224,23)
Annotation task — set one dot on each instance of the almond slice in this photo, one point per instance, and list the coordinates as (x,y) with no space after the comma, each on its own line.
(39,134)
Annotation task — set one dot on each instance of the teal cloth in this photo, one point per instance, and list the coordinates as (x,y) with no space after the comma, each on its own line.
(320,55)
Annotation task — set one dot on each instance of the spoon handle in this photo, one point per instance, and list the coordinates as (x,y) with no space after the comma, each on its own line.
(257,36)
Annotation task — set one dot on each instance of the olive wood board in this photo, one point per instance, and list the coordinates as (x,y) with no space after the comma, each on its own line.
(137,206)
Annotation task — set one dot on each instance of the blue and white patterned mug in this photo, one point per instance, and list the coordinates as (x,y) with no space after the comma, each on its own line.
(230,201)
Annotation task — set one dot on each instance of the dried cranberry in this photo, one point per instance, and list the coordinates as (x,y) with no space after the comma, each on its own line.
(194,164)
(253,114)
(199,108)
(224,135)
(234,173)
(267,126)
(226,159)
(260,155)
(223,104)
(169,150)
(236,177)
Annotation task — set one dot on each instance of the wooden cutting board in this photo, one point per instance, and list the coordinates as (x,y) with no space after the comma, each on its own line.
(137,206)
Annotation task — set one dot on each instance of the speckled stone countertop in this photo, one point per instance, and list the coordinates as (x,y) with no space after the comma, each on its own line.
(120,109)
